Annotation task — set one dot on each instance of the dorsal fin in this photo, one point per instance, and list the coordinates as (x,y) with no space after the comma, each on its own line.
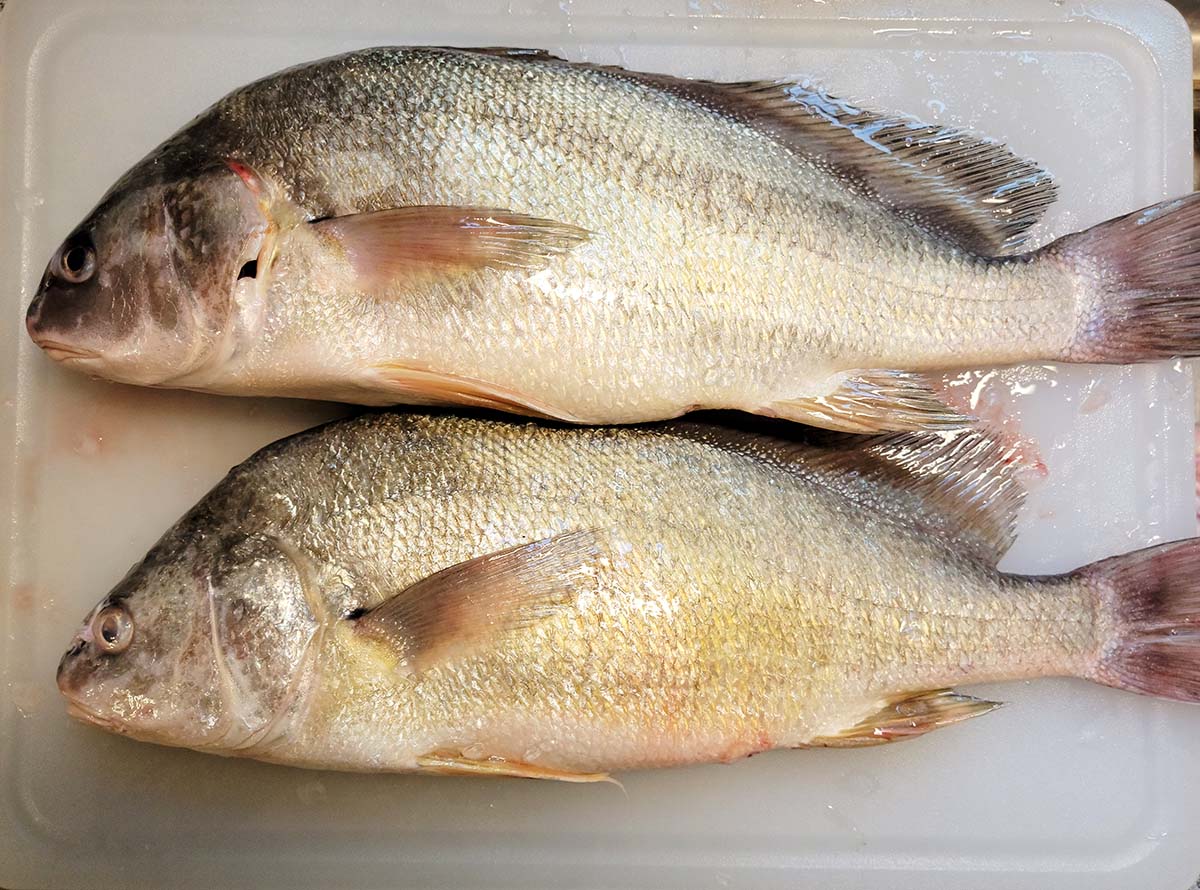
(957,185)
(962,485)
(529,53)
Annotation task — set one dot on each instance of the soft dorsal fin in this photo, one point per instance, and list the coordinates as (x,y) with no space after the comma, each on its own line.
(966,188)
(529,53)
(964,485)
(462,607)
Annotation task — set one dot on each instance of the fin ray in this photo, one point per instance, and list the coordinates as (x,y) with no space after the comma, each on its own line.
(963,486)
(412,384)
(1145,273)
(463,607)
(872,402)
(966,188)
(906,717)
(1154,595)
(449,764)
(405,244)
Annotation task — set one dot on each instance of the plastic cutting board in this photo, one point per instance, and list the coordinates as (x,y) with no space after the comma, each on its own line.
(1072,786)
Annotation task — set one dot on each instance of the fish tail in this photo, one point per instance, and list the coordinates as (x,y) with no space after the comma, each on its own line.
(1142,274)
(1153,599)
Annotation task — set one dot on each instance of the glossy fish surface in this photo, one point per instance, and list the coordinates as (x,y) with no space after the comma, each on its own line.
(411,592)
(506,229)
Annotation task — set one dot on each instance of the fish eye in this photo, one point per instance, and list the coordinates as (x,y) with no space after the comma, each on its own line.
(112,629)
(77,262)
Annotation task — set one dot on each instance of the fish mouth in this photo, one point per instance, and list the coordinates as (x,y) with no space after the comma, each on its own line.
(85,715)
(63,352)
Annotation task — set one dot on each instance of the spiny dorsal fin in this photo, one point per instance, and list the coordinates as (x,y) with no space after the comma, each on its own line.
(964,485)
(907,716)
(465,606)
(966,188)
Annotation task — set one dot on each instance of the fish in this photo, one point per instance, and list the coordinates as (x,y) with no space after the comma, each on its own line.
(473,596)
(506,229)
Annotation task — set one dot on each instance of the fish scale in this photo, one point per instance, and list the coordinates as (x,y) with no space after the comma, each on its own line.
(430,592)
(641,245)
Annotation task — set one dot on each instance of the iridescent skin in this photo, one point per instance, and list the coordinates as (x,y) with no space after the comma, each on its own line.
(735,605)
(722,270)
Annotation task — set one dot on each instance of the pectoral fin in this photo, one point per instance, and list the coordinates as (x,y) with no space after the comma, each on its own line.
(390,248)
(461,608)
(873,402)
(450,764)
(906,717)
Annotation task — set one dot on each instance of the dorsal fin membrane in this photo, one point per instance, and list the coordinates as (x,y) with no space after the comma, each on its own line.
(964,486)
(965,188)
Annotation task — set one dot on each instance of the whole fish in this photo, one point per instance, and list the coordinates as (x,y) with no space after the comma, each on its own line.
(507,229)
(470,596)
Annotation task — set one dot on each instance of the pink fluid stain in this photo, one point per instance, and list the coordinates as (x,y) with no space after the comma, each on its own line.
(91,422)
(1096,399)
(1196,453)
(975,396)
(22,598)
(28,477)
(88,443)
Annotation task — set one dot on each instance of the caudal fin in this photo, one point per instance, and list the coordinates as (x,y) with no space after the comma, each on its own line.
(1154,596)
(1145,270)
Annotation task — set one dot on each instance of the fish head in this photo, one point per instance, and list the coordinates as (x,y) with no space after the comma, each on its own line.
(145,289)
(208,643)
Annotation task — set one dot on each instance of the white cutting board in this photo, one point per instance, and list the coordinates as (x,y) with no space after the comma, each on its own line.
(1072,786)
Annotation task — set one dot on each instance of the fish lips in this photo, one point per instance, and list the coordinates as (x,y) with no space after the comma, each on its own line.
(40,323)
(74,669)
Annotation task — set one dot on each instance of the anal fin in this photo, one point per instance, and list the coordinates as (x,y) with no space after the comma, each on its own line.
(873,401)
(906,717)
(447,763)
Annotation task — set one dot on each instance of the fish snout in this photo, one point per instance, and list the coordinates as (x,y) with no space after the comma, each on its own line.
(33,315)
(71,671)
(50,324)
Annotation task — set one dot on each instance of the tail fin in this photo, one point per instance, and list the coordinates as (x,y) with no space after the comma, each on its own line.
(1146,270)
(1155,600)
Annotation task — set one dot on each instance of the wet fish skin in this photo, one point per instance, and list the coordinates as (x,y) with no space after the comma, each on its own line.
(684,244)
(674,596)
